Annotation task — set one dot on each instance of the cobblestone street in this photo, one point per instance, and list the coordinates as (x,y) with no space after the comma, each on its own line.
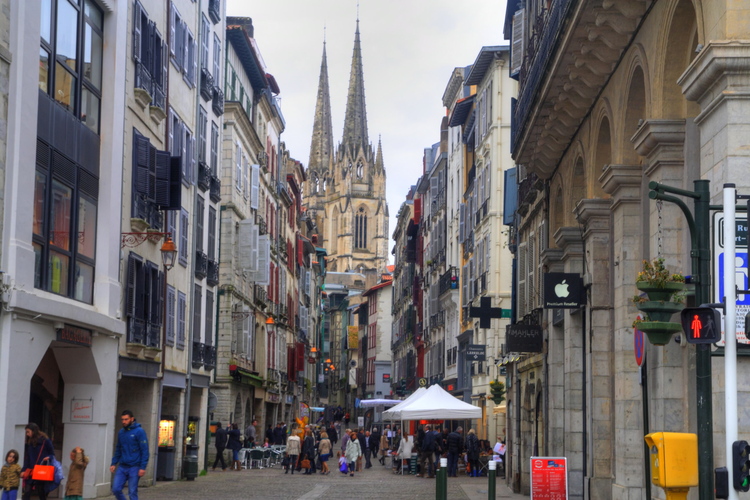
(271,483)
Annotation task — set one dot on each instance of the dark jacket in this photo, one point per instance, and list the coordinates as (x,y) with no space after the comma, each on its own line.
(278,435)
(33,456)
(429,443)
(419,439)
(269,434)
(362,441)
(221,439)
(132,447)
(374,441)
(472,447)
(333,435)
(455,442)
(235,441)
(308,448)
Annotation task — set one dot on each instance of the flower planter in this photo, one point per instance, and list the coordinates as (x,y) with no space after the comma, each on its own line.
(660,293)
(659,332)
(660,311)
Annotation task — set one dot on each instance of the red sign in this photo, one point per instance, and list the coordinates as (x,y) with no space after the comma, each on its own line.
(638,345)
(549,478)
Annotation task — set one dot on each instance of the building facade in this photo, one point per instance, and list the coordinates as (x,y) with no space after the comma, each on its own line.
(641,94)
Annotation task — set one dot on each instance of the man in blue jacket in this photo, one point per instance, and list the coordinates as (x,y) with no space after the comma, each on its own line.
(131,456)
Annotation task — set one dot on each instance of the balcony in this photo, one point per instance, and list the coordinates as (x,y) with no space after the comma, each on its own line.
(136,331)
(214,10)
(527,192)
(215,189)
(212,276)
(261,222)
(207,85)
(159,100)
(204,176)
(483,282)
(198,354)
(209,357)
(201,265)
(143,85)
(218,101)
(261,296)
(448,281)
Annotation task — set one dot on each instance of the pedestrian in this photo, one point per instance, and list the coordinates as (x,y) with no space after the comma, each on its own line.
(293,449)
(308,451)
(343,467)
(404,451)
(345,440)
(384,446)
(389,434)
(455,447)
(472,453)
(353,452)
(368,450)
(324,448)
(333,434)
(362,446)
(278,435)
(269,433)
(221,443)
(131,456)
(250,434)
(78,463)
(234,443)
(10,476)
(374,442)
(38,449)
(426,451)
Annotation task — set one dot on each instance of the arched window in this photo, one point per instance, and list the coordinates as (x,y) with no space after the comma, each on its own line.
(360,229)
(360,170)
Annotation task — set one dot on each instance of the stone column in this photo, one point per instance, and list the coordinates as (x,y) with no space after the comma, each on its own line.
(554,382)
(661,143)
(595,215)
(569,240)
(623,183)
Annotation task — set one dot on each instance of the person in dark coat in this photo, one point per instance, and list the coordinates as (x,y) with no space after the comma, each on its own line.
(455,447)
(472,452)
(38,448)
(362,446)
(308,450)
(375,442)
(278,435)
(269,433)
(221,437)
(234,443)
(332,434)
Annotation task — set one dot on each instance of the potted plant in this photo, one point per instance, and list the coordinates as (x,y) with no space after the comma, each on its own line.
(665,295)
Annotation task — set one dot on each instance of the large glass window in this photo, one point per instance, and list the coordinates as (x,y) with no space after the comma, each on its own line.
(71,32)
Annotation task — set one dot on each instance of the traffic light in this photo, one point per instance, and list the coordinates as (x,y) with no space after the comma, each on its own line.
(741,465)
(702,325)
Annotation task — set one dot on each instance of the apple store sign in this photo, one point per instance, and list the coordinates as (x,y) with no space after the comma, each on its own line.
(563,291)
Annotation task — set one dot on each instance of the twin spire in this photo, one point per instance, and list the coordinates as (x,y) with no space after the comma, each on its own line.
(355,137)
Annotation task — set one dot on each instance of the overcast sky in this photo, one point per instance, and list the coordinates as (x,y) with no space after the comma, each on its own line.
(409,49)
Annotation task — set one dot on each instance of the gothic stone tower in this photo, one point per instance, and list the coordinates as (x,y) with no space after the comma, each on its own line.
(345,191)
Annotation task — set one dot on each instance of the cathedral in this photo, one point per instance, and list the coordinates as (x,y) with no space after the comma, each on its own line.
(345,191)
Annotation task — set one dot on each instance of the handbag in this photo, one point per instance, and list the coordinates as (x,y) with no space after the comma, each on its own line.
(43,472)
(305,464)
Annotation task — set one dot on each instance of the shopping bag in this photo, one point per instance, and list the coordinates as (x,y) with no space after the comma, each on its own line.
(43,473)
(305,464)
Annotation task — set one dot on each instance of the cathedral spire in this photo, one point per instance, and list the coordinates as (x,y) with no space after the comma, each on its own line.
(379,167)
(321,147)
(355,121)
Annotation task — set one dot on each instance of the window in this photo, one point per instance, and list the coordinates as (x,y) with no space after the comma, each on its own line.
(214,149)
(199,213)
(182,247)
(181,309)
(70,57)
(205,33)
(360,229)
(202,130)
(190,65)
(197,316)
(144,301)
(150,55)
(238,166)
(209,318)
(188,156)
(156,184)
(360,170)
(172,224)
(217,58)
(371,371)
(64,225)
(182,47)
(211,233)
(171,309)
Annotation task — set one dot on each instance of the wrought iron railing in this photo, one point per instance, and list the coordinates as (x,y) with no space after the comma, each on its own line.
(143,78)
(215,189)
(204,175)
(158,96)
(448,281)
(201,264)
(197,360)
(218,101)
(212,274)
(261,296)
(136,331)
(207,85)
(214,10)
(209,357)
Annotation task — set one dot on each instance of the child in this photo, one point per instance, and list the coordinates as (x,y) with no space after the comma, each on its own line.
(74,488)
(10,476)
(342,464)
(266,444)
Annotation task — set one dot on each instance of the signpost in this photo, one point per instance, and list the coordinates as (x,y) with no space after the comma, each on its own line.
(740,269)
(563,291)
(549,478)
(524,338)
(485,312)
(476,352)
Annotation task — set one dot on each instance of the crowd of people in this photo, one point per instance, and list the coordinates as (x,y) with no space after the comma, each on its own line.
(310,448)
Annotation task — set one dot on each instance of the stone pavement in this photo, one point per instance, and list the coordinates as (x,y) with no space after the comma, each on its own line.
(271,483)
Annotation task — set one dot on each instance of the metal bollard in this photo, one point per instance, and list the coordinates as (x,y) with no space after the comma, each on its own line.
(441,490)
(491,475)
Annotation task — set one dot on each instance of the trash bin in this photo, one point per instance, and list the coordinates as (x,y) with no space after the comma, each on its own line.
(190,467)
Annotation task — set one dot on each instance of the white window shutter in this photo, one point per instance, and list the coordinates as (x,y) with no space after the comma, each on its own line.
(264,255)
(461,223)
(171,28)
(255,187)
(519,42)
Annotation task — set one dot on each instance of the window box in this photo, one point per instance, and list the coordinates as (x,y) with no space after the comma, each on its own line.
(151,352)
(134,349)
(138,225)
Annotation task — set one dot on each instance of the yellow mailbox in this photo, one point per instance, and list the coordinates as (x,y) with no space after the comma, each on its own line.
(674,461)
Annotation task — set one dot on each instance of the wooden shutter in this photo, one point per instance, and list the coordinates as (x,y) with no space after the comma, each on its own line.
(462,223)
(172,30)
(200,209)
(255,187)
(162,189)
(141,163)
(183,248)
(170,315)
(134,261)
(519,42)
(262,277)
(248,253)
(181,308)
(175,183)
(522,270)
(137,30)
(211,233)
(209,318)
(198,297)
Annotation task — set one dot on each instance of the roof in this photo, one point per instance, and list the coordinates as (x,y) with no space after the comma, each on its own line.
(483,62)
(461,110)
(251,61)
(377,287)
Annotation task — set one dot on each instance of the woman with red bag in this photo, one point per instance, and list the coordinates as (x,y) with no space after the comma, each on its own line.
(39,451)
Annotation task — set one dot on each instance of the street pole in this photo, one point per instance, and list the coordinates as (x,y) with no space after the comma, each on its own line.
(730,327)
(699,226)
(491,486)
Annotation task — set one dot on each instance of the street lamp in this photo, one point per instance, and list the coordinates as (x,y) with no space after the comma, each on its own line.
(168,254)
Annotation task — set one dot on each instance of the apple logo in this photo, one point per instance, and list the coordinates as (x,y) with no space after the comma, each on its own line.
(561,289)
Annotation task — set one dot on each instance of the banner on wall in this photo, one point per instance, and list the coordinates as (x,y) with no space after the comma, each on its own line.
(353,337)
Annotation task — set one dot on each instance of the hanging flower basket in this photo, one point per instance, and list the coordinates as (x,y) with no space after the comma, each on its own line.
(659,311)
(659,332)
(661,292)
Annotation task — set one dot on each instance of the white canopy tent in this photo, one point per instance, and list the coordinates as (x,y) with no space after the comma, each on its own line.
(434,403)
(413,397)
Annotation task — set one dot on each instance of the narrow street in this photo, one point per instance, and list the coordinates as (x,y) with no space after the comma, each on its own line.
(271,483)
